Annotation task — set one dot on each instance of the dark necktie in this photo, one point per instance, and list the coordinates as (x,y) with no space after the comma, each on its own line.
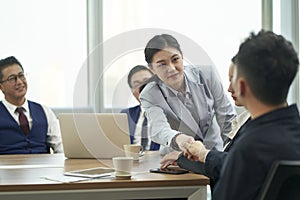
(23,120)
(144,140)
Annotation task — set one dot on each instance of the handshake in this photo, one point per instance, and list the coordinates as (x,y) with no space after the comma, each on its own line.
(193,150)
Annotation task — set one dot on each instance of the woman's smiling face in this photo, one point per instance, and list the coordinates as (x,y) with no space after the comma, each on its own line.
(167,64)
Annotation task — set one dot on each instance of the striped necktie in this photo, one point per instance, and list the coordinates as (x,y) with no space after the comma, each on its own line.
(144,134)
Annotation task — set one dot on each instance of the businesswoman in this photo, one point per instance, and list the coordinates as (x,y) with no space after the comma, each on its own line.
(183,103)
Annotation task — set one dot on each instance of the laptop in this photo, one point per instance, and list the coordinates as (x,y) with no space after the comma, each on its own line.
(94,135)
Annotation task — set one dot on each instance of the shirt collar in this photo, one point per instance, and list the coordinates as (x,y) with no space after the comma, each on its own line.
(187,88)
(12,107)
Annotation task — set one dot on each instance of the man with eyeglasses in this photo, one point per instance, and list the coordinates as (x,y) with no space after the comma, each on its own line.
(137,122)
(25,127)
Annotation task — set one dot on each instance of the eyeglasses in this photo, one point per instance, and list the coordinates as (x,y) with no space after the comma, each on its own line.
(13,78)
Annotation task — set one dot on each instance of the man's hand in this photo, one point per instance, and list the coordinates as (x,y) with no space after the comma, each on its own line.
(195,151)
(169,159)
(182,140)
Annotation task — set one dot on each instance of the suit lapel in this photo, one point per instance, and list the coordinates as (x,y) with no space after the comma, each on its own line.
(183,114)
(200,102)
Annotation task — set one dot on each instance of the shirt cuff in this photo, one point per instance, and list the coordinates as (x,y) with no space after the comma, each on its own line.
(174,144)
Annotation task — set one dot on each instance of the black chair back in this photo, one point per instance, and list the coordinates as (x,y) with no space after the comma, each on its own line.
(282,182)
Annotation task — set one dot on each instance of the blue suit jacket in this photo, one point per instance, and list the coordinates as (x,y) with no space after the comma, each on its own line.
(133,114)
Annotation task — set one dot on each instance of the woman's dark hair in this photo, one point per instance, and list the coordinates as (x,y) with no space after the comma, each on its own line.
(159,42)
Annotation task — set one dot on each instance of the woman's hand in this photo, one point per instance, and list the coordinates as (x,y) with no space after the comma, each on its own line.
(183,140)
(195,151)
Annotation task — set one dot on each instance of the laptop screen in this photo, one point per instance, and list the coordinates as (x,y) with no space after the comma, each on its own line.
(94,135)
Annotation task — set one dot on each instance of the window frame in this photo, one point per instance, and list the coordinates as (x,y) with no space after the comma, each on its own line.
(289,14)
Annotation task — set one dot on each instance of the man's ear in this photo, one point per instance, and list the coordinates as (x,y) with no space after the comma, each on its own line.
(241,84)
(241,87)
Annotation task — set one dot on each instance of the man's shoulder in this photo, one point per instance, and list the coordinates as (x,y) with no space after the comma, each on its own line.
(33,103)
(40,107)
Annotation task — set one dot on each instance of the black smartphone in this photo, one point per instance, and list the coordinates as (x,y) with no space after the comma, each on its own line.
(169,170)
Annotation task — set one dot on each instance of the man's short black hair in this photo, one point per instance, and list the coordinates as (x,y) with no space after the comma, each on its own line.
(269,64)
(6,62)
(135,70)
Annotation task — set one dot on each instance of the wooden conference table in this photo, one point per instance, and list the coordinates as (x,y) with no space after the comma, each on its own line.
(23,177)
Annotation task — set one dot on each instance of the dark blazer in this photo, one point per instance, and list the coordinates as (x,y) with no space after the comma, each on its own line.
(262,141)
(133,114)
(257,145)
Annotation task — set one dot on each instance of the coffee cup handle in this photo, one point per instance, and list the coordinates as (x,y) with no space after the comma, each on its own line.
(141,151)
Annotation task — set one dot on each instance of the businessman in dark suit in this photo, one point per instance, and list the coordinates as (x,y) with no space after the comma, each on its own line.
(136,119)
(266,65)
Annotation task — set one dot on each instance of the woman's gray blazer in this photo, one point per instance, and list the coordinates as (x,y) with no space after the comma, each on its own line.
(167,115)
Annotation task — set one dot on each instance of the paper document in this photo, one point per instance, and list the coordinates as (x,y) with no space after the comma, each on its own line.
(65,179)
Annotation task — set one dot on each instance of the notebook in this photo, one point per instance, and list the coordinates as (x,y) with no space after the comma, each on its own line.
(94,135)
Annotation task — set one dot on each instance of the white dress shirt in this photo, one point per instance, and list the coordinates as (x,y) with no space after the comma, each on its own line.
(236,124)
(53,133)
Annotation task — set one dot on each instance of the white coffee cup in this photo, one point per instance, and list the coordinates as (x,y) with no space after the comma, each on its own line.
(123,166)
(133,150)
